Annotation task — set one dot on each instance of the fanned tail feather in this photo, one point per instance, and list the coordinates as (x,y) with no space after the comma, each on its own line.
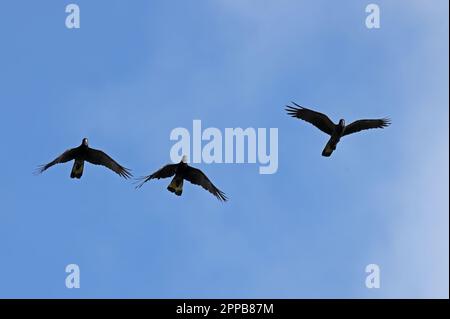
(176,186)
(77,169)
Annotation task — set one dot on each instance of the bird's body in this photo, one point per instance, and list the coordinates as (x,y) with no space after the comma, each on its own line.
(180,172)
(84,153)
(336,131)
(80,154)
(334,139)
(176,185)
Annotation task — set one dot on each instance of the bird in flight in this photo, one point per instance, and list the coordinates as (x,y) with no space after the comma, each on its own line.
(336,131)
(84,153)
(183,171)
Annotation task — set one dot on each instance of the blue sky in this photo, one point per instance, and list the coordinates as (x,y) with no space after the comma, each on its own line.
(135,71)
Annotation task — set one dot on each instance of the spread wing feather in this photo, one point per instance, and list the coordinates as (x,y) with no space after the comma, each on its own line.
(197,177)
(164,172)
(98,157)
(63,158)
(366,125)
(319,120)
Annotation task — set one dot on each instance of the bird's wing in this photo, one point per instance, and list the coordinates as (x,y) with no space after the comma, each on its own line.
(98,157)
(164,172)
(365,125)
(319,120)
(197,177)
(63,158)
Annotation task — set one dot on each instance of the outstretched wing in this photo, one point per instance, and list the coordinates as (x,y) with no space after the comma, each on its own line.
(197,177)
(319,120)
(63,158)
(164,172)
(366,125)
(98,157)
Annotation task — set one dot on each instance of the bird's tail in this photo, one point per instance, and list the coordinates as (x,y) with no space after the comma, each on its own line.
(329,148)
(77,169)
(176,186)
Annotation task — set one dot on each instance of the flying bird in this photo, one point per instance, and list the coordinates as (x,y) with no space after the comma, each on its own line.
(182,171)
(336,131)
(84,153)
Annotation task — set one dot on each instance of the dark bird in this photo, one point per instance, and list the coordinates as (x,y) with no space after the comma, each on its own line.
(85,153)
(323,123)
(183,171)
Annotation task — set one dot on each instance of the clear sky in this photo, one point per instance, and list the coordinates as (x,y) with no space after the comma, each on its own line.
(136,70)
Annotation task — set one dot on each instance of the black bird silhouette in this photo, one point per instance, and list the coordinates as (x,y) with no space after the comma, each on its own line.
(323,123)
(183,171)
(85,153)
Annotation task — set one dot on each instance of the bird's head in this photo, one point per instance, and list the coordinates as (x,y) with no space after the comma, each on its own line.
(184,159)
(85,142)
(341,122)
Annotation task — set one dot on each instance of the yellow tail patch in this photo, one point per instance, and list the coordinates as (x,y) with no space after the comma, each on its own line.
(77,169)
(176,186)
